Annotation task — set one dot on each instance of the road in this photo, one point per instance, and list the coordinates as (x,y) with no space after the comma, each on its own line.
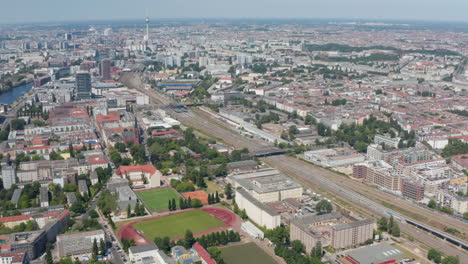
(360,195)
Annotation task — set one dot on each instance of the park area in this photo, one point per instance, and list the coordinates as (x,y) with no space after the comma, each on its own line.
(158,199)
(174,226)
(245,253)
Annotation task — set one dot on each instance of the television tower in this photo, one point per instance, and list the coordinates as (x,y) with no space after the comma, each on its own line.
(147,29)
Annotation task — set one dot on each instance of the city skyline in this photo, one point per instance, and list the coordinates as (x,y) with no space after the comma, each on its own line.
(86,10)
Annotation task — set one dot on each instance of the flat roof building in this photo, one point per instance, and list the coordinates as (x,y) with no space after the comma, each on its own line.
(257,211)
(267,185)
(376,254)
(78,243)
(331,229)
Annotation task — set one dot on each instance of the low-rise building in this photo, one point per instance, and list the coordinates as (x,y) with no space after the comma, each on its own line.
(139,174)
(387,141)
(201,252)
(334,157)
(147,254)
(14,258)
(381,253)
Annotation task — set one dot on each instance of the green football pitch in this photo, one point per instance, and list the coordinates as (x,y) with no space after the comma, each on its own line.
(245,253)
(175,226)
(158,199)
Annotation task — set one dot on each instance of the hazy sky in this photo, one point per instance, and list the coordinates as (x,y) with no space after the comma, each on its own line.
(18,11)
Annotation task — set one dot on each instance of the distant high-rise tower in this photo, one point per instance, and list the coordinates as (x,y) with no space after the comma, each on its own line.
(83,86)
(106,69)
(147,30)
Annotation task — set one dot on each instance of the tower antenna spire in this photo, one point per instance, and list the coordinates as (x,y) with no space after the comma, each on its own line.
(147,26)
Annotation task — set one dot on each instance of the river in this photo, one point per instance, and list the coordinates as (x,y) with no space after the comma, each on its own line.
(15,93)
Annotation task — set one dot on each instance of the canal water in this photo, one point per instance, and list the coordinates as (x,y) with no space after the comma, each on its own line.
(15,93)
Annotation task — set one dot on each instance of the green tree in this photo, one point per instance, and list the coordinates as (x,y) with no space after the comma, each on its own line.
(297,246)
(316,252)
(102,247)
(129,211)
(49,259)
(196,203)
(434,255)
(432,204)
(189,239)
(382,224)
(324,206)
(77,207)
(451,260)
(95,250)
(93,214)
(395,230)
(228,191)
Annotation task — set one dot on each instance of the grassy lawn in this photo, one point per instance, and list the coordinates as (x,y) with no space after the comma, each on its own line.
(175,226)
(212,187)
(157,200)
(245,253)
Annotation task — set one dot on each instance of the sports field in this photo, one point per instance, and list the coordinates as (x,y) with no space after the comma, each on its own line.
(174,226)
(158,199)
(245,253)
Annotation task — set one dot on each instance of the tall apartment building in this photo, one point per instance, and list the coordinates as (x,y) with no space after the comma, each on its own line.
(412,189)
(105,69)
(8,176)
(82,86)
(384,178)
(379,173)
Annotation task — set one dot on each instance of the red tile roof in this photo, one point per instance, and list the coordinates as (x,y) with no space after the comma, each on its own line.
(14,218)
(203,254)
(148,168)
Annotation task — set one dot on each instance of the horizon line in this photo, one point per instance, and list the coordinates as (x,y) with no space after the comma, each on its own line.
(415,21)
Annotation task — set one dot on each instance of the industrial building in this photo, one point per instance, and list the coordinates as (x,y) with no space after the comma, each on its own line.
(257,211)
(331,229)
(267,185)
(334,157)
(376,254)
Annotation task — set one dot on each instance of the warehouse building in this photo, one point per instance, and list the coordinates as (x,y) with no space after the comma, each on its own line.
(257,211)
(377,254)
(336,157)
(267,185)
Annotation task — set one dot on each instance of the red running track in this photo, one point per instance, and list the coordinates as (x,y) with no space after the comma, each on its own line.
(229,218)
